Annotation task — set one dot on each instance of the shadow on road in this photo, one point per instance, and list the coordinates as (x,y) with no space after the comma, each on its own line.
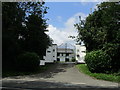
(44,85)
(53,70)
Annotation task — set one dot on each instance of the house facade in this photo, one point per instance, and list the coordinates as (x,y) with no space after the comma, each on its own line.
(51,54)
(65,55)
(80,52)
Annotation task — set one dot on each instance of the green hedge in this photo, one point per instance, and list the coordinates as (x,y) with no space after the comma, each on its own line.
(113,50)
(98,61)
(27,61)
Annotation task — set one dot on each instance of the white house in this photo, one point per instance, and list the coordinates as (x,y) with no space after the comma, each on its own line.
(51,54)
(65,54)
(80,52)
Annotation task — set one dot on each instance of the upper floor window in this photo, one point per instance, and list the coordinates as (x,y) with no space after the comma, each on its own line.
(83,51)
(48,51)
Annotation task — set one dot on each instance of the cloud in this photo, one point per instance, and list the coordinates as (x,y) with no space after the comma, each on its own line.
(60,35)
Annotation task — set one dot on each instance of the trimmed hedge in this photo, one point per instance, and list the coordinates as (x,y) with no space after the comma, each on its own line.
(98,61)
(28,61)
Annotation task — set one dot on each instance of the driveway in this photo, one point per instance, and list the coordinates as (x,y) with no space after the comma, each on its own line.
(62,75)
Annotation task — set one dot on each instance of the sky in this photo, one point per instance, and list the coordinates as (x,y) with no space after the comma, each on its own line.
(62,17)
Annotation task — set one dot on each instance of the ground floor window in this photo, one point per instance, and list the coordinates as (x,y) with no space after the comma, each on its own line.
(58,59)
(66,59)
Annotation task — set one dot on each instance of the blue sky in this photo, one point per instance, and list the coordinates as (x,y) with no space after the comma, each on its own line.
(62,17)
(59,12)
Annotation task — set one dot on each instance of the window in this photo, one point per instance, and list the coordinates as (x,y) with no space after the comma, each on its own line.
(77,50)
(53,50)
(58,54)
(78,55)
(48,51)
(53,56)
(67,54)
(83,51)
(58,59)
(66,59)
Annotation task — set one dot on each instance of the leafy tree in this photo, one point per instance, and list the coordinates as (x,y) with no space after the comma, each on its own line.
(12,17)
(102,26)
(34,37)
(102,31)
(24,29)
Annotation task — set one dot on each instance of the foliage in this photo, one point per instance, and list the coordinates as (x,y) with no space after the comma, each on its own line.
(27,61)
(101,26)
(21,73)
(23,30)
(11,24)
(108,77)
(98,61)
(101,30)
(113,50)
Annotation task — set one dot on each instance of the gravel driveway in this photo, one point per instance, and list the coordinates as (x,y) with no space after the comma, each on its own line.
(62,75)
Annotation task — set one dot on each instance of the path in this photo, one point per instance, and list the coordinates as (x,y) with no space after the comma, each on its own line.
(64,75)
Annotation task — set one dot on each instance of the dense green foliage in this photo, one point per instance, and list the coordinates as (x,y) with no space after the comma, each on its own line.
(101,31)
(23,30)
(98,61)
(101,26)
(27,62)
(113,50)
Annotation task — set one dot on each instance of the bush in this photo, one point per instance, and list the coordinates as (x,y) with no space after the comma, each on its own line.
(98,61)
(113,50)
(27,61)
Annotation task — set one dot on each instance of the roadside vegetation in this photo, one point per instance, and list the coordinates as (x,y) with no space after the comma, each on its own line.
(100,33)
(40,69)
(115,77)
(24,39)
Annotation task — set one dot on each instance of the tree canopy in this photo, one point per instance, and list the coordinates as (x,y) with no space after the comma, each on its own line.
(23,30)
(102,26)
(101,31)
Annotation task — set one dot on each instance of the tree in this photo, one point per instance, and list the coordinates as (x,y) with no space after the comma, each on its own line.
(24,29)
(102,31)
(102,26)
(12,18)
(34,37)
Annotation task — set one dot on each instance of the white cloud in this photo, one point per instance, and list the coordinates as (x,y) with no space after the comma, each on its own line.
(60,35)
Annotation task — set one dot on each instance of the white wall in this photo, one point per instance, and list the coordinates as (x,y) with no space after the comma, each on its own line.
(80,52)
(51,54)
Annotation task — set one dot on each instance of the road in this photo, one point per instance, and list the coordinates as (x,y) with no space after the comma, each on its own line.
(62,75)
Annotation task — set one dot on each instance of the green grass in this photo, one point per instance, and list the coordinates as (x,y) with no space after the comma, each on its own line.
(18,73)
(108,77)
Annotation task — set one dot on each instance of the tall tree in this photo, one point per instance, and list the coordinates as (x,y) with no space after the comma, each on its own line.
(12,18)
(24,29)
(102,26)
(34,38)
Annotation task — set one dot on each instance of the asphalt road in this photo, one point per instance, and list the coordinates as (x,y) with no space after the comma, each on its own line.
(60,76)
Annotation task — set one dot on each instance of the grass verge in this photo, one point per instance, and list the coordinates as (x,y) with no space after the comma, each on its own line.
(108,77)
(18,73)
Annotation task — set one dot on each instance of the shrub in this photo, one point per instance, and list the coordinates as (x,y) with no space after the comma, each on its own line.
(98,61)
(113,50)
(27,61)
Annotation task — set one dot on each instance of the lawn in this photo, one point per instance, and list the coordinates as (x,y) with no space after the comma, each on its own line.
(108,77)
(17,73)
